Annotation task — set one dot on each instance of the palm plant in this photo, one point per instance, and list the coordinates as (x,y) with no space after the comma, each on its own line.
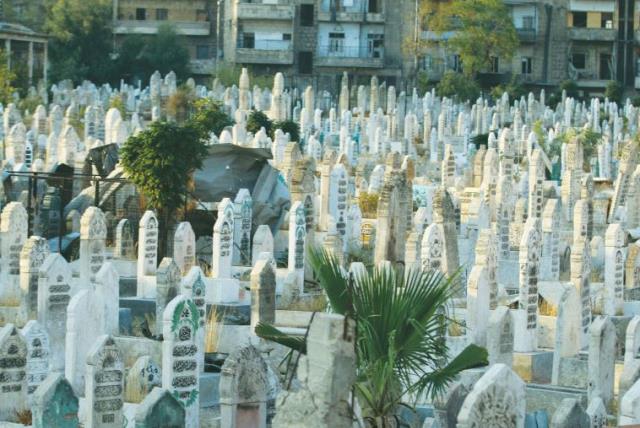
(401,319)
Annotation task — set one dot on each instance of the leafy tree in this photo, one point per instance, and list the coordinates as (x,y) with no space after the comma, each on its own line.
(482,30)
(400,326)
(209,117)
(614,91)
(140,56)
(456,85)
(80,39)
(257,120)
(6,79)
(288,126)
(160,161)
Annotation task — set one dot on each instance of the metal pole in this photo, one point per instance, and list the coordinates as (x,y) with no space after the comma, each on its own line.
(96,199)
(30,208)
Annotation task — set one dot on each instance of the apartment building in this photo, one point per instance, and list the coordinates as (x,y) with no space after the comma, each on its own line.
(195,19)
(315,41)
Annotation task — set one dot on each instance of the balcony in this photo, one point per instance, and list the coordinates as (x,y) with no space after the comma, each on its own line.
(266,52)
(526,35)
(283,11)
(190,28)
(341,16)
(360,57)
(592,34)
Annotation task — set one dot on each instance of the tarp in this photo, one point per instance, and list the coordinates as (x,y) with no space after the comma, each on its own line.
(229,168)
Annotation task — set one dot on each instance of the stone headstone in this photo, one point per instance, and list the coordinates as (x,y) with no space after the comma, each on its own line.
(184,247)
(38,354)
(32,256)
(167,287)
(160,408)
(55,404)
(105,384)
(93,235)
(180,356)
(142,377)
(13,383)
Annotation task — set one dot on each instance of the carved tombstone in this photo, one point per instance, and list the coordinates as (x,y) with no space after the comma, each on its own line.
(105,384)
(55,404)
(243,390)
(180,355)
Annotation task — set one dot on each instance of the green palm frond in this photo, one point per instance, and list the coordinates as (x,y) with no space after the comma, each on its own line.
(333,280)
(436,382)
(269,332)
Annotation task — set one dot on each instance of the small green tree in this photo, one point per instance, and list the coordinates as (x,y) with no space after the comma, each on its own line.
(6,78)
(257,120)
(482,30)
(400,333)
(160,161)
(288,126)
(457,85)
(209,117)
(614,91)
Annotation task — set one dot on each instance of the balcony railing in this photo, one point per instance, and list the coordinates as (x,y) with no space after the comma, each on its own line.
(350,56)
(266,52)
(187,28)
(283,11)
(593,34)
(341,16)
(527,35)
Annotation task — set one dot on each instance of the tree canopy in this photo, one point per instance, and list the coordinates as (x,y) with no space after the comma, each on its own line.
(160,161)
(6,79)
(139,56)
(482,30)
(80,39)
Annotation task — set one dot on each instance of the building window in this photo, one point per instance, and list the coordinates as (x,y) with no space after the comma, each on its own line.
(375,45)
(162,14)
(527,22)
(286,36)
(306,15)
(202,15)
(605,67)
(305,62)
(495,65)
(606,20)
(525,65)
(374,6)
(579,19)
(336,42)
(248,40)
(141,14)
(579,60)
(202,52)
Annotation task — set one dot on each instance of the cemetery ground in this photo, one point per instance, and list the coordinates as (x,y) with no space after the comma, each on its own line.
(269,256)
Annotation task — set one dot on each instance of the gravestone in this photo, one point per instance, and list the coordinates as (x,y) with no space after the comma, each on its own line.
(262,242)
(147,252)
(243,390)
(32,256)
(105,384)
(13,234)
(54,294)
(142,377)
(263,293)
(569,414)
(602,351)
(38,354)
(55,404)
(496,400)
(243,211)
(93,235)
(13,382)
(223,231)
(167,287)
(160,409)
(297,243)
(500,339)
(180,356)
(194,288)
(184,247)
(124,248)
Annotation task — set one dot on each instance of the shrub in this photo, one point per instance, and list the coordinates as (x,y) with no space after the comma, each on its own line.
(257,120)
(459,86)
(614,91)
